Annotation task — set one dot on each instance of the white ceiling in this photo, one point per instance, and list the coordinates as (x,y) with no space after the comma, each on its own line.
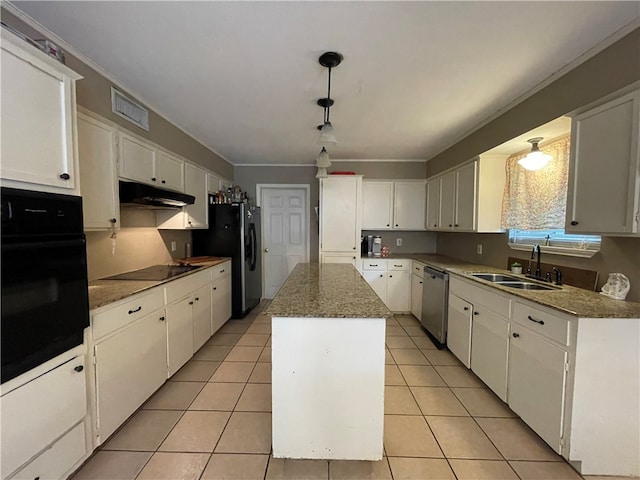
(243,77)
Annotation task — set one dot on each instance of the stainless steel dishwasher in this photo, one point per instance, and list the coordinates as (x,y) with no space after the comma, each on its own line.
(435,300)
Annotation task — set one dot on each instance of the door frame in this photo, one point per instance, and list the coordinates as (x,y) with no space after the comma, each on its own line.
(283,186)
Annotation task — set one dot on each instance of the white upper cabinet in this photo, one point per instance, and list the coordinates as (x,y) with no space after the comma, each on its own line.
(196,184)
(409,205)
(213,183)
(604,171)
(170,172)
(137,159)
(98,178)
(38,144)
(468,198)
(340,212)
(377,205)
(393,205)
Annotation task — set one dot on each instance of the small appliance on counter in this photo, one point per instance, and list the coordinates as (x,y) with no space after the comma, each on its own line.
(377,246)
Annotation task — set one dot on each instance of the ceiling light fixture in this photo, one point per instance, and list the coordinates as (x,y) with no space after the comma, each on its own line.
(535,159)
(329,60)
(323,162)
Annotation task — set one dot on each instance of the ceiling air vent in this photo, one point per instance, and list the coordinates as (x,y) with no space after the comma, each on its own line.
(127,108)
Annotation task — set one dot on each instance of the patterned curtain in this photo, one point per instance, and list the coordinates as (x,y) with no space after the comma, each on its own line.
(537,200)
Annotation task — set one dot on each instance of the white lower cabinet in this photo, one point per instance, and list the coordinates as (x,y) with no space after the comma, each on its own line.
(179,334)
(416,296)
(339,258)
(201,316)
(490,350)
(129,366)
(220,301)
(38,414)
(391,280)
(537,380)
(459,329)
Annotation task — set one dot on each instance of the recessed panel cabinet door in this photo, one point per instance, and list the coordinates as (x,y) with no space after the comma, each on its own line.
(416,296)
(339,214)
(38,106)
(399,291)
(603,195)
(137,160)
(130,366)
(490,350)
(170,172)
(447,201)
(409,205)
(201,316)
(179,334)
(195,183)
(377,201)
(459,329)
(433,204)
(465,212)
(378,281)
(220,302)
(537,380)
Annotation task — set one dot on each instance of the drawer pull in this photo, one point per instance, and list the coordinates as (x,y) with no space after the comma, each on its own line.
(222,271)
(373,264)
(574,223)
(515,335)
(398,266)
(79,368)
(136,310)
(64,176)
(534,320)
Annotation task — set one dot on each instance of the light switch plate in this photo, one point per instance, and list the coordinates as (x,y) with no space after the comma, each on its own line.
(479,249)
(398,242)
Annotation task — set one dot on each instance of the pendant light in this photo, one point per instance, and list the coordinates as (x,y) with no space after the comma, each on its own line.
(535,159)
(322,162)
(329,60)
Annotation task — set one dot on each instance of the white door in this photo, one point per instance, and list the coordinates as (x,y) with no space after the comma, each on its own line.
(285,234)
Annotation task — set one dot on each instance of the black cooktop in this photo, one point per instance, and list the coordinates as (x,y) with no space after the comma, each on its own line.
(155,272)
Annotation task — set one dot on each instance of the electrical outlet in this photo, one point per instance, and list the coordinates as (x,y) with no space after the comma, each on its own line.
(398,242)
(173,246)
(479,249)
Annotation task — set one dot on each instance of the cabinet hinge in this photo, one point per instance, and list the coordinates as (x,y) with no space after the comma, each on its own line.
(566,366)
(94,359)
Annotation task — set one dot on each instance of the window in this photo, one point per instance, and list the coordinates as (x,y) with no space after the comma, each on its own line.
(555,241)
(534,205)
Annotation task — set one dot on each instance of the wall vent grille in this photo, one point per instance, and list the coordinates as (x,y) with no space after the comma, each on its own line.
(128,109)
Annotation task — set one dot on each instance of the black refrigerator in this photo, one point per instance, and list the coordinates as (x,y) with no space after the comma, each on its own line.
(234,231)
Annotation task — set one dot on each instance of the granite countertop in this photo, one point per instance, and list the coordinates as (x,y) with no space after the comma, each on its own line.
(328,290)
(572,300)
(104,292)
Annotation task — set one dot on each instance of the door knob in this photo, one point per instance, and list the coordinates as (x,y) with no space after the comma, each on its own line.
(266,250)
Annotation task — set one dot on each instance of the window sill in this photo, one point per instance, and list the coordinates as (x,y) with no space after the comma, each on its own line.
(566,251)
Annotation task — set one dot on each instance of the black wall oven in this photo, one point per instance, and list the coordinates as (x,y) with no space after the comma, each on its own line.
(45,300)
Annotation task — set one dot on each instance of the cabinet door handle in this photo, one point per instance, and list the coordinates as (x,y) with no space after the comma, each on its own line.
(79,368)
(515,335)
(64,176)
(534,320)
(396,224)
(191,303)
(456,225)
(153,179)
(381,276)
(434,225)
(574,222)
(450,225)
(215,288)
(420,283)
(197,299)
(113,220)
(162,319)
(387,224)
(466,309)
(136,310)
(476,313)
(354,248)
(162,181)
(222,271)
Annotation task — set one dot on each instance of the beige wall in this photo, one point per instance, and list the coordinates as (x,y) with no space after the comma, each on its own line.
(94,93)
(139,244)
(617,254)
(612,69)
(381,170)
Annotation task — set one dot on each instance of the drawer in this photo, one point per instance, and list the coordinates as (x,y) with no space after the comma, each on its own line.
(546,322)
(221,270)
(374,264)
(399,264)
(39,412)
(182,287)
(418,269)
(126,311)
(478,295)
(59,459)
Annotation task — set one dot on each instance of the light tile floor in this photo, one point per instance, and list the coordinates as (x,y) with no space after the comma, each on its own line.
(212,420)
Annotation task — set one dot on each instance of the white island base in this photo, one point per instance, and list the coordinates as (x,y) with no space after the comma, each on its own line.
(328,387)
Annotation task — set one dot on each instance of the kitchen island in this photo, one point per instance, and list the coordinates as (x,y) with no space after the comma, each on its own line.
(328,355)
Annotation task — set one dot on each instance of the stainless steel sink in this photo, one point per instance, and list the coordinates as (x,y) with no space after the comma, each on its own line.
(495,277)
(527,285)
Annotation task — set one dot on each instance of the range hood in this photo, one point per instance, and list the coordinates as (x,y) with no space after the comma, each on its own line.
(139,195)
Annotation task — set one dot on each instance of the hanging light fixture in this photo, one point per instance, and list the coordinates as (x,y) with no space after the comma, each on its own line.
(322,162)
(535,159)
(329,60)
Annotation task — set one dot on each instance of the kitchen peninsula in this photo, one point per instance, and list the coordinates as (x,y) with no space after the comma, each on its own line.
(328,355)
